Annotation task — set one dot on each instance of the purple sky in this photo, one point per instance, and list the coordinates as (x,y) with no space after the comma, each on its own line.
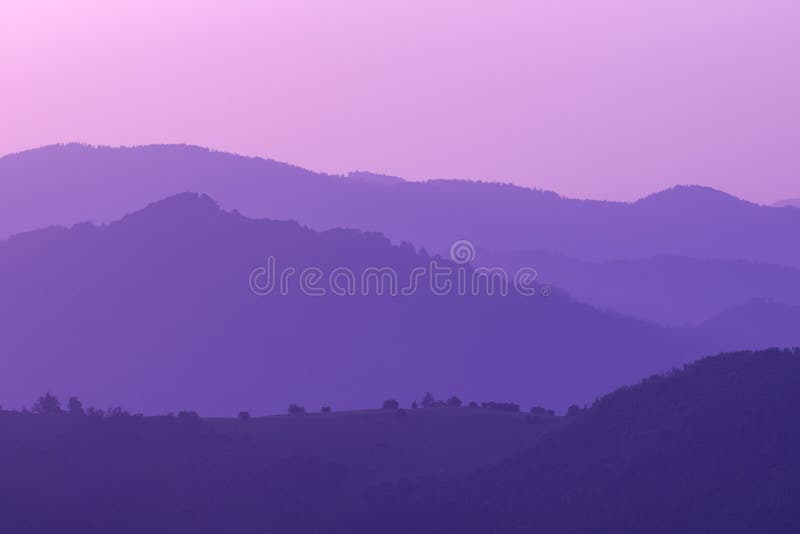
(605,99)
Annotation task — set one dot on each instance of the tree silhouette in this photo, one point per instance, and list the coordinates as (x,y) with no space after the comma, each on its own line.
(75,406)
(296,409)
(454,402)
(573,410)
(47,404)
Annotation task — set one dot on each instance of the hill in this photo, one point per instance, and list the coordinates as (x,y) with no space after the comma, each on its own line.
(287,474)
(709,448)
(670,290)
(63,185)
(156,312)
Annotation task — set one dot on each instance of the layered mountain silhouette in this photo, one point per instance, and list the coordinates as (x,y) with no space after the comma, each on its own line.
(62,185)
(155,312)
(671,290)
(711,448)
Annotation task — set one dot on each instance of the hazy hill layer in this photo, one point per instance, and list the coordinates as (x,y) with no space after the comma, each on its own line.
(73,183)
(671,290)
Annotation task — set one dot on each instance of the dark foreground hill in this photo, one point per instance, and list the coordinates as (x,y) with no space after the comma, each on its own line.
(156,312)
(65,185)
(710,448)
(281,474)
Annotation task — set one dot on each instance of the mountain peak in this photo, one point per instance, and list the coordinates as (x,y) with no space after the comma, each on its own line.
(691,194)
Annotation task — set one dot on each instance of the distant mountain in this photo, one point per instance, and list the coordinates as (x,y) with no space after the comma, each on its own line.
(710,448)
(155,312)
(665,289)
(750,323)
(60,185)
(793,202)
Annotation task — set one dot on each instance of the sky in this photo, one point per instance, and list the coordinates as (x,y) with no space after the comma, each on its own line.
(609,99)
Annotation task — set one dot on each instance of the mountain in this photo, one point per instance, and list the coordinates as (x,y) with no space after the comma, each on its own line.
(791,202)
(670,290)
(709,448)
(63,185)
(156,312)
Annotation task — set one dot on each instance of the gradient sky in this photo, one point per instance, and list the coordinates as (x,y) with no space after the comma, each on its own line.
(591,98)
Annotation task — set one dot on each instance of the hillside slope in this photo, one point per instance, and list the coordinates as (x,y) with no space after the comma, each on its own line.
(282,474)
(710,448)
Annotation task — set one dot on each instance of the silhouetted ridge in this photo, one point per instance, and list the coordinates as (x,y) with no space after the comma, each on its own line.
(66,185)
(709,448)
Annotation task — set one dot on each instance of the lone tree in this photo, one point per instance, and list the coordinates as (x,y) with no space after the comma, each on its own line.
(573,410)
(390,404)
(296,409)
(47,404)
(539,410)
(75,406)
(427,400)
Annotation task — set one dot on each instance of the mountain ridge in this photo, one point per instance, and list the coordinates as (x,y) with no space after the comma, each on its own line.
(66,185)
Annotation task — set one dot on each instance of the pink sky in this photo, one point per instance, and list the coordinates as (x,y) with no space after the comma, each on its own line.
(596,98)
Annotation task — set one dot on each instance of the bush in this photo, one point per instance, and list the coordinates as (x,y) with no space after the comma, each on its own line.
(390,404)
(473,404)
(296,409)
(119,412)
(326,409)
(454,402)
(95,412)
(573,410)
(428,400)
(244,416)
(501,406)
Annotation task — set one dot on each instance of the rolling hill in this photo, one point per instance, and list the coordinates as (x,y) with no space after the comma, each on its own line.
(709,448)
(156,312)
(671,290)
(64,185)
